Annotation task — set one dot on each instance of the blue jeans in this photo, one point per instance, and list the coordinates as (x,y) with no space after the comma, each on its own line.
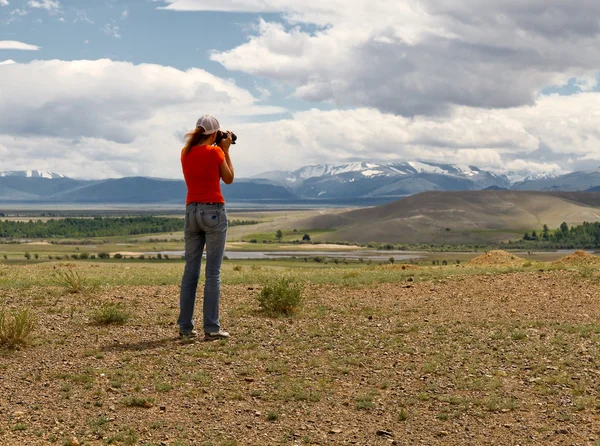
(205,224)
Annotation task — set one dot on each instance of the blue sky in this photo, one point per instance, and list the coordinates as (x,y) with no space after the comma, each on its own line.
(107,88)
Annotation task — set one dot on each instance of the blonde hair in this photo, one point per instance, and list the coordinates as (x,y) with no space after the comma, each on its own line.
(195,138)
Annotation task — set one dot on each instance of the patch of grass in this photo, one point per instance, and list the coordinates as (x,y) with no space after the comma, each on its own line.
(138,401)
(16,327)
(163,387)
(129,437)
(272,416)
(364,401)
(110,313)
(281,296)
(70,280)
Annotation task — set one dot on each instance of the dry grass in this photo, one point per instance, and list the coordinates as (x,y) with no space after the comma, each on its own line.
(464,356)
(16,327)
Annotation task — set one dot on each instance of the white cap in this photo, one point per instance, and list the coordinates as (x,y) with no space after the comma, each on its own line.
(209,123)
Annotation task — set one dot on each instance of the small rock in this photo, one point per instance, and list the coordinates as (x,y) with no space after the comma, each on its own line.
(257,413)
(384,433)
(249,380)
(74,441)
(563,431)
(163,408)
(335,431)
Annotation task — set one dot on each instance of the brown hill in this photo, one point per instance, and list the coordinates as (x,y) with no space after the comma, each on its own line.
(458,217)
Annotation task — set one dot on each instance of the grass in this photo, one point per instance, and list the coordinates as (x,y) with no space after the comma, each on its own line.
(110,313)
(282,296)
(16,327)
(138,401)
(441,349)
(70,279)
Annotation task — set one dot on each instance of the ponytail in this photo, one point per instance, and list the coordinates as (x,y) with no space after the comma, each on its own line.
(195,138)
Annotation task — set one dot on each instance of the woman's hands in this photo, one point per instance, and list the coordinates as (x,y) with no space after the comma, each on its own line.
(226,142)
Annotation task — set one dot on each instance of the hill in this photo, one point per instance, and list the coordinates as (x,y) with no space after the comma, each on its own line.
(458,217)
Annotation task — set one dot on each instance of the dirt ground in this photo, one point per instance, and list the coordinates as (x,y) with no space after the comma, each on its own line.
(469,360)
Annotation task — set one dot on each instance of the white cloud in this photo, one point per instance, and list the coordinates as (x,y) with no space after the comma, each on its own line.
(4,3)
(103,118)
(14,45)
(416,56)
(125,14)
(82,16)
(7,62)
(50,5)
(110,29)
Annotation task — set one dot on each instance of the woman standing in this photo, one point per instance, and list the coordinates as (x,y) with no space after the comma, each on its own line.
(204,165)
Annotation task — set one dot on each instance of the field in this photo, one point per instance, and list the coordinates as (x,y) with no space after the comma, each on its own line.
(500,352)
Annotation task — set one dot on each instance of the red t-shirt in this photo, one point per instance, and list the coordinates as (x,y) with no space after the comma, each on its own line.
(202,172)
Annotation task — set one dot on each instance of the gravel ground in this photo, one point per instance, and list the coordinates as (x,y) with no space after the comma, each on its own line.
(480,360)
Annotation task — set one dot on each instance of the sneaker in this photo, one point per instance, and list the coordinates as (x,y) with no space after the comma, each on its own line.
(190,335)
(216,335)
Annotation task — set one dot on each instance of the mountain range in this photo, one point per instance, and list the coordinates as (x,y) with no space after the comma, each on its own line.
(359,182)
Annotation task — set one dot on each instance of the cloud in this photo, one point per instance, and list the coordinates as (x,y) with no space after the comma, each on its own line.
(14,45)
(49,5)
(104,118)
(557,135)
(82,16)
(4,3)
(7,62)
(416,56)
(110,29)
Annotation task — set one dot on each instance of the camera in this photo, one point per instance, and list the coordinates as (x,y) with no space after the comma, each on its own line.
(223,135)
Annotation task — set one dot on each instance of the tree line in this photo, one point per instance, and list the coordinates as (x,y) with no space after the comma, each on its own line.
(586,235)
(96,227)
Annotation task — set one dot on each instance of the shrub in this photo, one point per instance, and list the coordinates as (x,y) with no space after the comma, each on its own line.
(74,256)
(16,327)
(110,313)
(306,238)
(93,257)
(392,260)
(37,256)
(70,279)
(159,256)
(237,268)
(103,255)
(84,256)
(27,256)
(118,256)
(281,296)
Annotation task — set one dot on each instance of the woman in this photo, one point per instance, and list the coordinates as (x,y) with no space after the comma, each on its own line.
(204,165)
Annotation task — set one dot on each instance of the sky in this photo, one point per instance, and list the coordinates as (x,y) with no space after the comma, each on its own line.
(108,88)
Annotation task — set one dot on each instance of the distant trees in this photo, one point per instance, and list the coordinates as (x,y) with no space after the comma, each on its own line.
(96,227)
(279,234)
(306,238)
(586,235)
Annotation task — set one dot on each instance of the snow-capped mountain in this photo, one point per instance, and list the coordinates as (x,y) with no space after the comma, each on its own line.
(365,179)
(32,174)
(519,176)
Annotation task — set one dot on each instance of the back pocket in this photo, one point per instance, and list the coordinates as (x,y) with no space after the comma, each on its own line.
(211,219)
